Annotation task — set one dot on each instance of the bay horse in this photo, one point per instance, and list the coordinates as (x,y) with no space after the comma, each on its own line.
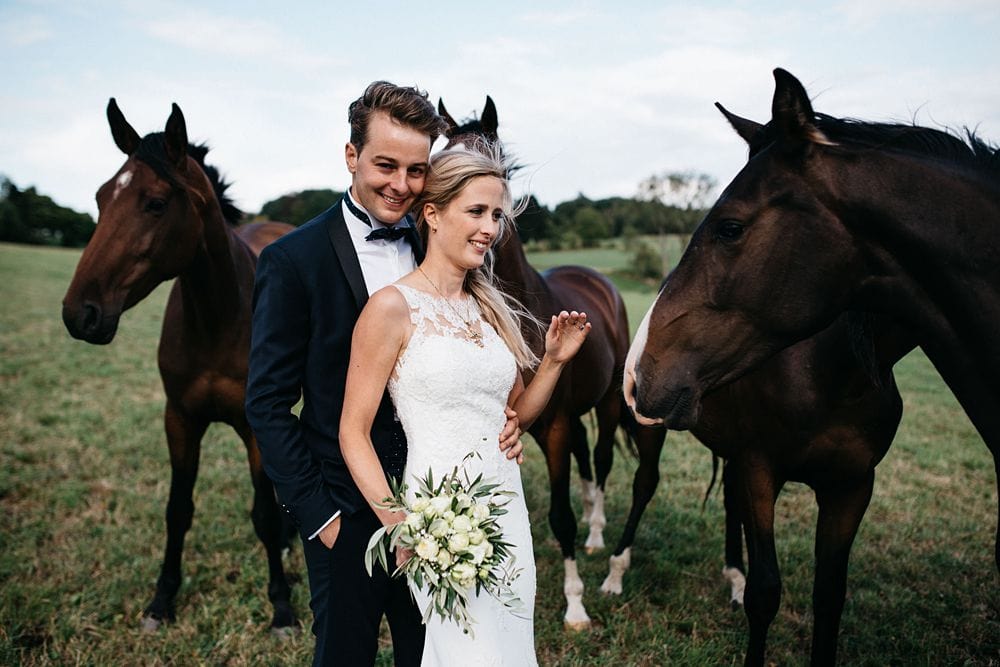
(828,216)
(165,215)
(592,380)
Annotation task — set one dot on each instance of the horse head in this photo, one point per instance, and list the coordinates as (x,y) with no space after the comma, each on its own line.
(146,229)
(769,265)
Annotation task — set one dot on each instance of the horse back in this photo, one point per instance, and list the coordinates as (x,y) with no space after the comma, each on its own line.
(598,366)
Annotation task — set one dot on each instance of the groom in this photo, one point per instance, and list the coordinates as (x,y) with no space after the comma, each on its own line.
(310,288)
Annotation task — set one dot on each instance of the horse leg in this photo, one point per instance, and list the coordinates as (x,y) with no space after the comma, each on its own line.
(272,530)
(649,442)
(608,417)
(581,452)
(758,492)
(184,435)
(555,441)
(840,513)
(733,571)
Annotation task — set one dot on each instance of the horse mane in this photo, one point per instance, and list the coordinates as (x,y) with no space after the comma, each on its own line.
(152,151)
(972,151)
(474,127)
(942,144)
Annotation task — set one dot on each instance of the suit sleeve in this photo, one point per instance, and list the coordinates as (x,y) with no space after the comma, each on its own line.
(278,353)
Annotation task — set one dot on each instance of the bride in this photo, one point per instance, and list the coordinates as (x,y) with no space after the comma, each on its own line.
(447,343)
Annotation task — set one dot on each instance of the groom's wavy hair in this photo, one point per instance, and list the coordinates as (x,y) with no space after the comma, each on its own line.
(404,104)
(450,172)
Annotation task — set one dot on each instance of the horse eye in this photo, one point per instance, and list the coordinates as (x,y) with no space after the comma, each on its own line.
(729,230)
(156,206)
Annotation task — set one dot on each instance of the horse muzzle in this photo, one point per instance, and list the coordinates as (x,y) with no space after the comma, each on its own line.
(89,322)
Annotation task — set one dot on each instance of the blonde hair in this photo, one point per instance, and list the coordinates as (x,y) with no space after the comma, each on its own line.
(450,171)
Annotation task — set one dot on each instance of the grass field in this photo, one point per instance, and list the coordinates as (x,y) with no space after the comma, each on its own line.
(84,479)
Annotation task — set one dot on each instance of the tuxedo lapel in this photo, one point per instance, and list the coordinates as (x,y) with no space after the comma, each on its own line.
(344,248)
(415,243)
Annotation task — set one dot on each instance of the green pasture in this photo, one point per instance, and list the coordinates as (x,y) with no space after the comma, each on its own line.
(84,479)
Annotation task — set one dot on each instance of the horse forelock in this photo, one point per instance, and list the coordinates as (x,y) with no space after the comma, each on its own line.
(152,151)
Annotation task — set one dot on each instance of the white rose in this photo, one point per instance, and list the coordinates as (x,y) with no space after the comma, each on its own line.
(420,504)
(414,522)
(440,504)
(464,500)
(448,516)
(478,552)
(438,528)
(480,512)
(461,524)
(476,536)
(464,573)
(444,558)
(458,542)
(484,573)
(427,548)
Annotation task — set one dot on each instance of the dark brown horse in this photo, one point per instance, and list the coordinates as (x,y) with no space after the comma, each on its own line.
(831,215)
(592,381)
(165,215)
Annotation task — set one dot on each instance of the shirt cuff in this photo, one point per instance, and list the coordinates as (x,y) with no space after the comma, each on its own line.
(328,522)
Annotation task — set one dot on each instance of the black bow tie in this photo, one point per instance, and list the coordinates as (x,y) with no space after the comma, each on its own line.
(394,233)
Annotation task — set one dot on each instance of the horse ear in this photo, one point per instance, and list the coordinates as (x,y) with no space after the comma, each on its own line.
(746,128)
(792,113)
(125,136)
(175,139)
(452,125)
(489,118)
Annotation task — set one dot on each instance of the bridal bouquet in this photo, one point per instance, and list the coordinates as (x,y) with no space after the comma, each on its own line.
(458,546)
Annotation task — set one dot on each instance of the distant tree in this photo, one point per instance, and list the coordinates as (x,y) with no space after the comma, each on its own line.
(29,217)
(590,226)
(299,207)
(536,222)
(686,194)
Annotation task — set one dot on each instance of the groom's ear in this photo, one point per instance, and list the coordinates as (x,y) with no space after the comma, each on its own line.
(351,157)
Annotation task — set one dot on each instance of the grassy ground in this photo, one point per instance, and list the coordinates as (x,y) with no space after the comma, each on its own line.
(84,479)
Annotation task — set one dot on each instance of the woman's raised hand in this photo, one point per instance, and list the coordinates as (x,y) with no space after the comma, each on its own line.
(566,334)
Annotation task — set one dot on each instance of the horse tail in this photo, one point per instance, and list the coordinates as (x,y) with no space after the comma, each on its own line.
(711,482)
(629,429)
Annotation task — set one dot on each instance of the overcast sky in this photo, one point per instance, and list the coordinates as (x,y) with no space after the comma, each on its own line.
(592,96)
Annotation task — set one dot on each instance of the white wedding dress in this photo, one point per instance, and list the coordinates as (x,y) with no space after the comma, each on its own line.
(450,395)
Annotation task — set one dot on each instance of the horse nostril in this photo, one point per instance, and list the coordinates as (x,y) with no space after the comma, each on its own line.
(91,317)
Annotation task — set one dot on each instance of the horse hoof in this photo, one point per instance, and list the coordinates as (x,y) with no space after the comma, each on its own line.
(590,551)
(284,633)
(735,605)
(611,588)
(149,624)
(577,626)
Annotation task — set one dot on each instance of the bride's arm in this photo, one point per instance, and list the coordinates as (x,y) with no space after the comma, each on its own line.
(566,334)
(379,335)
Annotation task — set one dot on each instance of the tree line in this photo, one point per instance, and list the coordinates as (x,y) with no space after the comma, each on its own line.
(26,216)
(669,203)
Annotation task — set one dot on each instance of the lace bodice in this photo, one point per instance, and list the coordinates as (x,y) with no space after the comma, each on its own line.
(449,391)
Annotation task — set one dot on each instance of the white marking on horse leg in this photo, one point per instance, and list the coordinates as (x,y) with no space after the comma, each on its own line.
(123,180)
(587,495)
(595,540)
(617,567)
(737,584)
(576,615)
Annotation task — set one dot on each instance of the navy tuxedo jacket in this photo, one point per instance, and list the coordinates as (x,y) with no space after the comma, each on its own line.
(308,293)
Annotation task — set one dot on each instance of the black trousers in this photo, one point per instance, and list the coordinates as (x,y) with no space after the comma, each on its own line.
(348,605)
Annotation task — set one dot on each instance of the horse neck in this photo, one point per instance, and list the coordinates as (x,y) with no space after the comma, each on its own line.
(921,226)
(928,236)
(517,276)
(215,286)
